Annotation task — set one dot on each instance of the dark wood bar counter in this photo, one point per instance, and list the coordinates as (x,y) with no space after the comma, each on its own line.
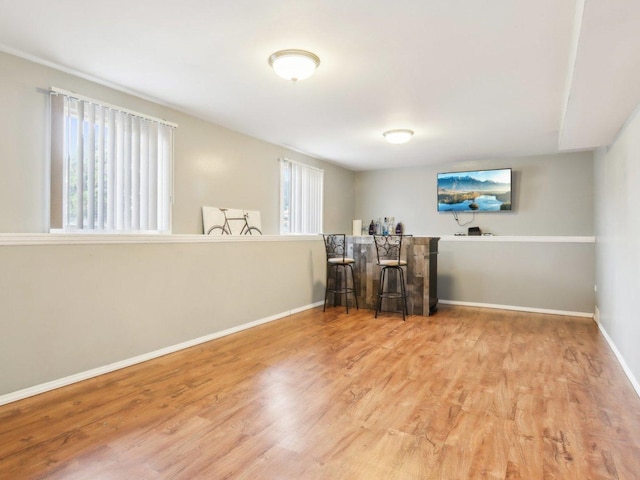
(421,274)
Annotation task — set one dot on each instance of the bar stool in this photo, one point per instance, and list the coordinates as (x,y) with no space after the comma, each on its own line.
(336,248)
(388,250)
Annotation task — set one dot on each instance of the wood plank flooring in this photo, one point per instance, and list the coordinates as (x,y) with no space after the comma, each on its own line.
(465,394)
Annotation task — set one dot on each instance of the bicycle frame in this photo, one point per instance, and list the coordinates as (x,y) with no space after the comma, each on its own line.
(225,228)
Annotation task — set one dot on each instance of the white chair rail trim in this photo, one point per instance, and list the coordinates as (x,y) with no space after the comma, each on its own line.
(17,239)
(515,238)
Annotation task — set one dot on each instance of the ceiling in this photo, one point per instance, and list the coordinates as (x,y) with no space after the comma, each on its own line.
(475,79)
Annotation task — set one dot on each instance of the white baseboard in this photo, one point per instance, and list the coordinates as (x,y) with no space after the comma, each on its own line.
(517,308)
(621,360)
(78,377)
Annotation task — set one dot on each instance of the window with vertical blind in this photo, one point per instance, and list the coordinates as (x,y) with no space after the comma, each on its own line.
(111,168)
(301,188)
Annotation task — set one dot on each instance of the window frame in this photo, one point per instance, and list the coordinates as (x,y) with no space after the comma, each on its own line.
(109,131)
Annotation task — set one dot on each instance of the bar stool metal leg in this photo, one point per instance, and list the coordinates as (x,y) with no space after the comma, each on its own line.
(382,293)
(403,289)
(345,279)
(326,290)
(353,283)
(340,275)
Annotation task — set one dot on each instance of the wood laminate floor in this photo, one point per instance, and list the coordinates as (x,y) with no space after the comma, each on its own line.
(466,394)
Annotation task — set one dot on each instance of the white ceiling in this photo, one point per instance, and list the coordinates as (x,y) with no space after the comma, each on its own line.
(475,79)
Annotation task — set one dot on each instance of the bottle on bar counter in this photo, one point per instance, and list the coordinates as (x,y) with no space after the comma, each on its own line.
(372,228)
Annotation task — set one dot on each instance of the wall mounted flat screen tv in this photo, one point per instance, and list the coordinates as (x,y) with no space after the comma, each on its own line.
(475,191)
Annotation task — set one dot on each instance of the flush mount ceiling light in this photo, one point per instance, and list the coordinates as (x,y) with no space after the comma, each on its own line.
(294,65)
(401,135)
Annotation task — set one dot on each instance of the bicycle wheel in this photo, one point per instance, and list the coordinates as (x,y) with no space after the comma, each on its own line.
(253,231)
(217,230)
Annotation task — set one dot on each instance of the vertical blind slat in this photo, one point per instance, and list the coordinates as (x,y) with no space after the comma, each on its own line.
(79,180)
(66,170)
(111,170)
(153,178)
(144,175)
(91,166)
(101,160)
(119,213)
(135,173)
(164,181)
(127,172)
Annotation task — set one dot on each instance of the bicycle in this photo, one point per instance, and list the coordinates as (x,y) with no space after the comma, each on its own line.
(225,228)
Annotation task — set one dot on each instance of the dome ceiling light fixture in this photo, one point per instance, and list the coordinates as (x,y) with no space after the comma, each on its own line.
(400,135)
(294,64)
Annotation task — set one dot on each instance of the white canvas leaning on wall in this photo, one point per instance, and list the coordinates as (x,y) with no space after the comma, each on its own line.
(231,221)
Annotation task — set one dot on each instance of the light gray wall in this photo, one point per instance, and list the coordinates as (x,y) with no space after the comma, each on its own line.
(540,276)
(66,309)
(552,196)
(213,165)
(617,174)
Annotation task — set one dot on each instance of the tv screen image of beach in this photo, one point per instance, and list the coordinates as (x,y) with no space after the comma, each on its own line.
(475,191)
